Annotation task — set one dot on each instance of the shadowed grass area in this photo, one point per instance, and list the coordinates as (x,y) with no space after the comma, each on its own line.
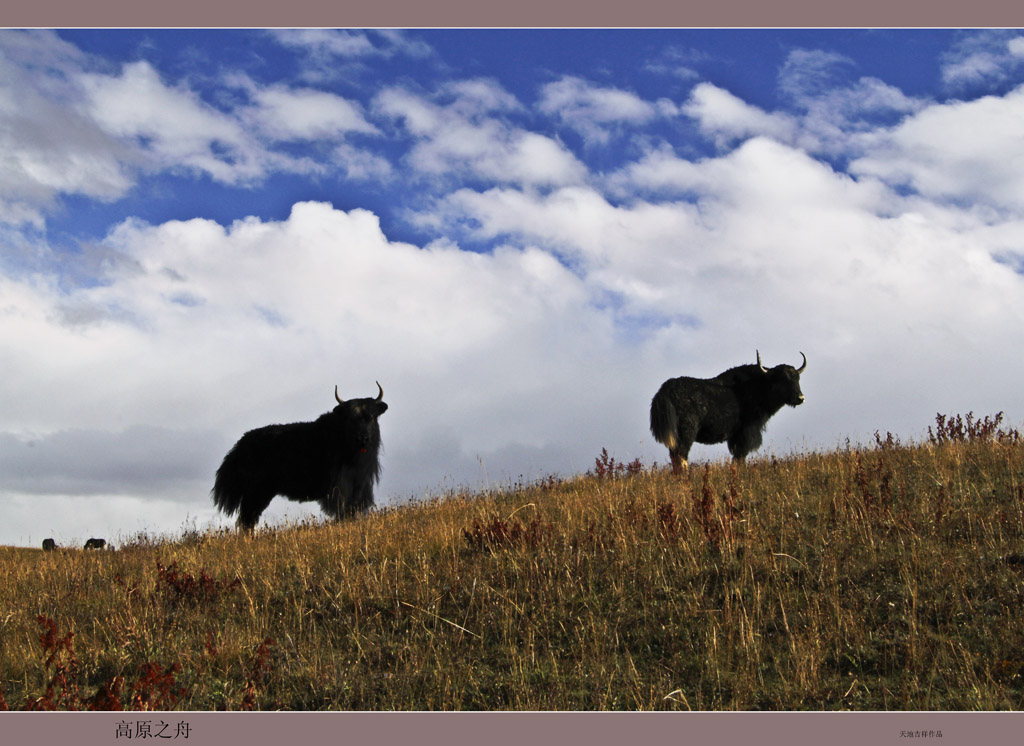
(889,577)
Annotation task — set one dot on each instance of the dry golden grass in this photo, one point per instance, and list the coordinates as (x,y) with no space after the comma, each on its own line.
(869,578)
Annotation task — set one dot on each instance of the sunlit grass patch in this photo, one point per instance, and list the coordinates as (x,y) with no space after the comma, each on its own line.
(881,577)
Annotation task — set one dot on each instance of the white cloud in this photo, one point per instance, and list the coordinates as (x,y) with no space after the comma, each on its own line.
(459,137)
(593,111)
(963,151)
(475,97)
(677,62)
(48,146)
(726,118)
(326,45)
(833,110)
(361,165)
(345,54)
(172,125)
(834,119)
(306,114)
(831,119)
(327,42)
(69,125)
(809,74)
(973,68)
(982,59)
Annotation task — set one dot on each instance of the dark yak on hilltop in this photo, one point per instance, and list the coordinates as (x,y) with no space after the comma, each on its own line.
(334,460)
(733,407)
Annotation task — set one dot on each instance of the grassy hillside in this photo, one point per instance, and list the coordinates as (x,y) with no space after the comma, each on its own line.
(889,577)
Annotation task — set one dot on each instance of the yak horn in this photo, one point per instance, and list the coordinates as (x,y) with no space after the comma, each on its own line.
(763,369)
(380,396)
(801,368)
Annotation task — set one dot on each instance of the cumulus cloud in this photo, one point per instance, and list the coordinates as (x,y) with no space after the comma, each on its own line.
(362,165)
(324,46)
(48,145)
(594,111)
(461,136)
(477,97)
(75,126)
(960,151)
(831,115)
(171,125)
(328,55)
(677,62)
(982,59)
(726,118)
(284,113)
(836,109)
(809,74)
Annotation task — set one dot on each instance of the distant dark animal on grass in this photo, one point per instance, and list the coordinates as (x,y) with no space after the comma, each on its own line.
(334,461)
(96,544)
(733,407)
(49,545)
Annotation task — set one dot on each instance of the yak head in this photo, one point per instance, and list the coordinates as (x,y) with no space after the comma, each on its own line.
(784,381)
(360,419)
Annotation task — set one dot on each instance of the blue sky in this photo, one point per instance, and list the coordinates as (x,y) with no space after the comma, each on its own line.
(520,233)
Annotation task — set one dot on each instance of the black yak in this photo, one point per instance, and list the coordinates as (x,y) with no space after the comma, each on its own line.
(95,544)
(333,460)
(49,545)
(733,407)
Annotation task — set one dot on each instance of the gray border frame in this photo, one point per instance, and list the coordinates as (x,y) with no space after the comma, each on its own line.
(500,728)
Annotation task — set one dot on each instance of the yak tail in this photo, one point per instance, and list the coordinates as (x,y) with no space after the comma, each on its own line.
(226,495)
(664,420)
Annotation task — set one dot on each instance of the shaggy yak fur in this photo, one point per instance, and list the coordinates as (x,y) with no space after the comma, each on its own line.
(96,544)
(333,460)
(733,407)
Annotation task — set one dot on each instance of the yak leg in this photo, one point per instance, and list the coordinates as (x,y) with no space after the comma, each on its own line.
(678,462)
(362,500)
(336,503)
(251,509)
(679,455)
(679,450)
(349,496)
(744,441)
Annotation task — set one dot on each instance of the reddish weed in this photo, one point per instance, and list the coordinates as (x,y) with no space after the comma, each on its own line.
(258,669)
(959,429)
(153,690)
(503,534)
(606,467)
(180,586)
